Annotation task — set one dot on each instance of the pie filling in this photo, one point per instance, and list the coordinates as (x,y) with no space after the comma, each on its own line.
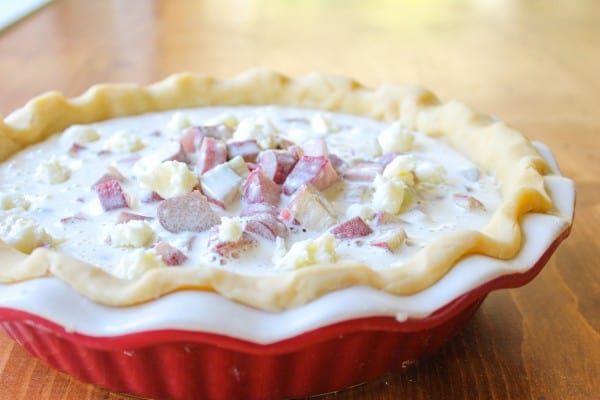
(259,190)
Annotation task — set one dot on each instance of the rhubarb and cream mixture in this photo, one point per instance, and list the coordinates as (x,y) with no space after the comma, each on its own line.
(259,190)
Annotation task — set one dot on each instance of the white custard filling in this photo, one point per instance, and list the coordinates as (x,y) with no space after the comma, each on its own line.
(427,191)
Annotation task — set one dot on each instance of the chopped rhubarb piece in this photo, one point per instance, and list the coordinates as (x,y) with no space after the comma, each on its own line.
(390,239)
(317,171)
(75,149)
(418,213)
(170,255)
(190,140)
(310,209)
(239,166)
(129,161)
(151,197)
(125,217)
(283,143)
(112,173)
(387,158)
(351,229)
(192,137)
(260,189)
(190,243)
(221,183)
(266,225)
(297,120)
(248,149)
(74,218)
(212,153)
(336,161)
(315,147)
(287,216)
(276,164)
(180,156)
(216,202)
(260,229)
(188,212)
(111,196)
(385,218)
(258,208)
(228,249)
(296,151)
(468,202)
(363,172)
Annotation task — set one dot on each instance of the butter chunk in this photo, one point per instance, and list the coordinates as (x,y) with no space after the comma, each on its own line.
(52,172)
(360,210)
(260,129)
(389,239)
(230,230)
(24,234)
(177,123)
(135,233)
(396,138)
(401,168)
(8,201)
(427,171)
(368,145)
(389,195)
(81,134)
(310,252)
(133,264)
(168,179)
(229,120)
(323,123)
(123,141)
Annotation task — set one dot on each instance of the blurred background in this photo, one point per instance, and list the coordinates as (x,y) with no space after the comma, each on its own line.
(497,55)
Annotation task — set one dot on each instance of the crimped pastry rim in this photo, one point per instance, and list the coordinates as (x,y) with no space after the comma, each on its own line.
(519,169)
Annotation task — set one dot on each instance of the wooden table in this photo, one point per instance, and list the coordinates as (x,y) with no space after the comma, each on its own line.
(535,64)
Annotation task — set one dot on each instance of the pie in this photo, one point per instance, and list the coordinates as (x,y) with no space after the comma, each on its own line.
(267,190)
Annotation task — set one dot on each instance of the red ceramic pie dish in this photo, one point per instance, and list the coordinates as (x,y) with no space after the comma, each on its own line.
(178,364)
(194,344)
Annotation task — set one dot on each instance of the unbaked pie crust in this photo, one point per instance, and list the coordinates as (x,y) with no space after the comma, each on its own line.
(489,143)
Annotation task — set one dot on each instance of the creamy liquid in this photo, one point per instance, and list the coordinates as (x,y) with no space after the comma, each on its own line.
(431,212)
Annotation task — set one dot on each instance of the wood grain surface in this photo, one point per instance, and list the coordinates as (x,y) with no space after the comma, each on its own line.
(534,64)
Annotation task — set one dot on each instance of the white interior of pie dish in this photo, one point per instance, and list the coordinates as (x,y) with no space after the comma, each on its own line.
(53,300)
